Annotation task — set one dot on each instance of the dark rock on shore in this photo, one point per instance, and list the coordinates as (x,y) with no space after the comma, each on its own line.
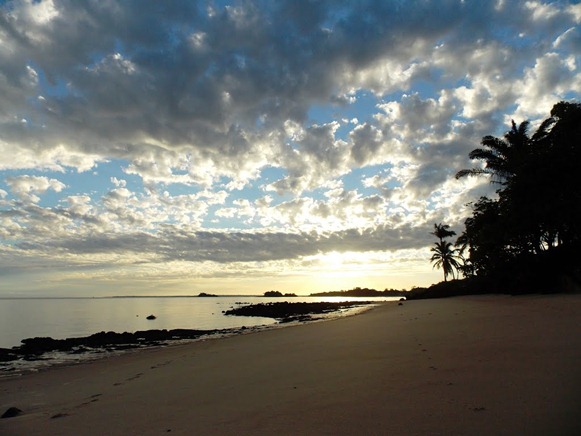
(11,412)
(33,348)
(7,355)
(286,312)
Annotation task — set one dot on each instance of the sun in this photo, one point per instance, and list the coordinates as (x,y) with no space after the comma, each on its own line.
(341,264)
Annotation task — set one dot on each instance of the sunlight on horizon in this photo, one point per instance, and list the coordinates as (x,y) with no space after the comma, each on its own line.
(323,272)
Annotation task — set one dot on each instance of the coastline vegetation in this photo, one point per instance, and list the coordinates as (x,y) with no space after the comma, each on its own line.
(528,238)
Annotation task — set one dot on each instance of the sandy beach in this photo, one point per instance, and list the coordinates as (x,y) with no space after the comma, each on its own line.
(486,365)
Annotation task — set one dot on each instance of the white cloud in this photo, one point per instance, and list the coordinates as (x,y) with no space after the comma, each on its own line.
(575,11)
(18,156)
(544,84)
(80,206)
(26,187)
(570,37)
(382,77)
(541,11)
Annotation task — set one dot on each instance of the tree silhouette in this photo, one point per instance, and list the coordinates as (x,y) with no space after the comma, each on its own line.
(442,231)
(501,157)
(532,230)
(483,238)
(446,258)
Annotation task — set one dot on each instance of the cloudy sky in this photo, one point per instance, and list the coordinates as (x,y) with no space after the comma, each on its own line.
(177,147)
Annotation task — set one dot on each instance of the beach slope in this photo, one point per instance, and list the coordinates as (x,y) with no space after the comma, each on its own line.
(459,366)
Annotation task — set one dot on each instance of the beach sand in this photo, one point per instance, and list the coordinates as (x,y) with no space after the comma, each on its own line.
(483,365)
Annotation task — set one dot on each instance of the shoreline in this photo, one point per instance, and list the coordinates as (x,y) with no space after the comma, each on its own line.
(74,317)
(463,365)
(43,353)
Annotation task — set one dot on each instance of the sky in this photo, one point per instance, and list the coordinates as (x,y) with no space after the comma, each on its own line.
(235,147)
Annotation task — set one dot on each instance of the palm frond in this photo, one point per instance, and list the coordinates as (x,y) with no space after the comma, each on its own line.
(471,172)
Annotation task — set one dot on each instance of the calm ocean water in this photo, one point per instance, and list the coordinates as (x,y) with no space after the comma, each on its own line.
(60,318)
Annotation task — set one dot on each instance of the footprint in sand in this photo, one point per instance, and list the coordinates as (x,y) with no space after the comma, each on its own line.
(91,399)
(135,377)
(159,365)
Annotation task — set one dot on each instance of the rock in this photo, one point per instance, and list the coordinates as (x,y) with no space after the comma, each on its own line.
(32,349)
(286,311)
(39,345)
(11,412)
(6,355)
(151,317)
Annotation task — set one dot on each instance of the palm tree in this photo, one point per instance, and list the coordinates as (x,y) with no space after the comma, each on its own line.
(442,231)
(502,156)
(446,258)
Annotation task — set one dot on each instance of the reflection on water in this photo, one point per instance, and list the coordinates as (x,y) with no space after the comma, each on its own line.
(74,317)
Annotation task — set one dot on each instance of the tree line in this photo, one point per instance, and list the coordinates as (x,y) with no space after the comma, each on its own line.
(529,236)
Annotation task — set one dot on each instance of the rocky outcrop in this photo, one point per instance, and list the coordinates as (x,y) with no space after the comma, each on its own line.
(33,348)
(285,311)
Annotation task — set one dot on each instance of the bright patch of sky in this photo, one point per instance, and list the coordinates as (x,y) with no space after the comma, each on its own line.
(222,145)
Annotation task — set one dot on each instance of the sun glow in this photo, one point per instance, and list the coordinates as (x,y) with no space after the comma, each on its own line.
(340,262)
(337,270)
(347,269)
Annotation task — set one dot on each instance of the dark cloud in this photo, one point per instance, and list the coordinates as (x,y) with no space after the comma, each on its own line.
(174,244)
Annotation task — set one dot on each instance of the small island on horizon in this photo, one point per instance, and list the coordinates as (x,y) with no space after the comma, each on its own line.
(278,294)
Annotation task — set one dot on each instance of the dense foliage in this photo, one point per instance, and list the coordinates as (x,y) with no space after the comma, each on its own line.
(530,235)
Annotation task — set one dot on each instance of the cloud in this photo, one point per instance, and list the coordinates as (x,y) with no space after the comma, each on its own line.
(174,244)
(257,131)
(366,142)
(120,82)
(569,40)
(550,77)
(26,187)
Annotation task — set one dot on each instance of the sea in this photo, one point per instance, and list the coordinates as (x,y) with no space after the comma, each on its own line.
(60,318)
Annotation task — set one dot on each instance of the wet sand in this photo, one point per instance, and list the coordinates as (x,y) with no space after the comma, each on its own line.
(459,366)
